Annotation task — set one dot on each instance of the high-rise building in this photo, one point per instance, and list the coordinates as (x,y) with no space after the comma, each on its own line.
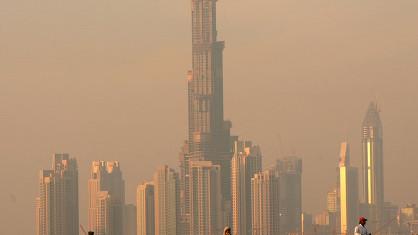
(129,220)
(332,201)
(209,133)
(289,170)
(57,204)
(333,208)
(265,203)
(372,165)
(245,163)
(184,186)
(104,216)
(205,198)
(209,136)
(145,204)
(166,196)
(349,196)
(106,198)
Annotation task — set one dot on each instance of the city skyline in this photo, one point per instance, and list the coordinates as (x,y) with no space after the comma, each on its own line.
(104,132)
(283,195)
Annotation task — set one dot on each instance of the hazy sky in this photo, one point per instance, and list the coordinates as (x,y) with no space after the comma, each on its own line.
(107,80)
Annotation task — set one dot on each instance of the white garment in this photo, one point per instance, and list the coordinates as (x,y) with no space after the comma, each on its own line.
(360,230)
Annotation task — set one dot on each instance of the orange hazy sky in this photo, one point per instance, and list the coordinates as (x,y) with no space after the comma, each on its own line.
(107,80)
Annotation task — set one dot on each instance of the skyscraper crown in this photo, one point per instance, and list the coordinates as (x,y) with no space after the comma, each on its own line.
(345,154)
(372,117)
(372,125)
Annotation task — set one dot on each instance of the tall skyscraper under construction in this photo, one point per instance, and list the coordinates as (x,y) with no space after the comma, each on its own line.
(57,204)
(372,165)
(209,134)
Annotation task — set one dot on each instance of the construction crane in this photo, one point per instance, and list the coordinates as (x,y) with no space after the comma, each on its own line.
(84,231)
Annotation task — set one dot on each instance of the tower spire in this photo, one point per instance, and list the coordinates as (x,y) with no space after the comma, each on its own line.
(209,138)
(372,162)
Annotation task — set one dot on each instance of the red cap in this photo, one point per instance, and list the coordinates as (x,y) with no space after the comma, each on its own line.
(362,219)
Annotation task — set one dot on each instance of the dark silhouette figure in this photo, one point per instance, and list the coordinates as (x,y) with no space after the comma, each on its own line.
(227,231)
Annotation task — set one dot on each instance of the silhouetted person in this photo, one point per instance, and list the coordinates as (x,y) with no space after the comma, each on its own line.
(361,228)
(227,231)
(91,233)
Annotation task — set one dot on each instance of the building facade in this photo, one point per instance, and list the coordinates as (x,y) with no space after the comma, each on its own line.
(166,195)
(205,198)
(57,205)
(145,204)
(209,136)
(289,170)
(349,196)
(246,162)
(333,208)
(106,198)
(265,203)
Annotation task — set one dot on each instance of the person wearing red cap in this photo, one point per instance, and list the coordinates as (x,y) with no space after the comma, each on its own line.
(361,228)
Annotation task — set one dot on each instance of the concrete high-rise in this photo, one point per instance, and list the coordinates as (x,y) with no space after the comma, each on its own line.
(104,216)
(205,198)
(265,203)
(246,162)
(332,201)
(289,170)
(333,209)
(209,133)
(57,204)
(209,136)
(145,204)
(184,186)
(349,196)
(372,165)
(166,185)
(106,198)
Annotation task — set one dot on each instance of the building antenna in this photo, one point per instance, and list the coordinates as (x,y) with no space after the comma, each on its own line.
(376,102)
